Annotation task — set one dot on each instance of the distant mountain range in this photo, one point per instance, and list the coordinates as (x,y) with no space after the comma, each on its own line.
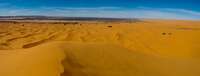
(57,18)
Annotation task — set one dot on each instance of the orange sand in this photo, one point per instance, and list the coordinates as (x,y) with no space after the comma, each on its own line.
(145,48)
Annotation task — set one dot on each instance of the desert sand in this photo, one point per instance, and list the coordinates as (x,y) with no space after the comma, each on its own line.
(100,48)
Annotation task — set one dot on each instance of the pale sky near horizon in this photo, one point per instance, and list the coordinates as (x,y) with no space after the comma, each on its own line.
(158,9)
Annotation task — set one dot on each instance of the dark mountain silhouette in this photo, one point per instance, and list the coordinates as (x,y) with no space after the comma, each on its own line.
(60,18)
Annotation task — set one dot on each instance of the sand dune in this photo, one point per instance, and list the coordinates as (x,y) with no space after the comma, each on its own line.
(91,59)
(38,61)
(145,48)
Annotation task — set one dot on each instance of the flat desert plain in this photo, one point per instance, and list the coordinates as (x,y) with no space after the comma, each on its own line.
(100,48)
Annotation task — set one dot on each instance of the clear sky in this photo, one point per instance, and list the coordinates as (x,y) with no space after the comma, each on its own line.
(164,9)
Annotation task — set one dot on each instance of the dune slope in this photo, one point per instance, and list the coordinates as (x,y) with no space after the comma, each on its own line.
(38,61)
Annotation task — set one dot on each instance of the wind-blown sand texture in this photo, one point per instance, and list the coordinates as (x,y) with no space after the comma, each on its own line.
(100,48)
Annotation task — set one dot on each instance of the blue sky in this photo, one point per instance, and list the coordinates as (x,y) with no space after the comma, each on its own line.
(158,9)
